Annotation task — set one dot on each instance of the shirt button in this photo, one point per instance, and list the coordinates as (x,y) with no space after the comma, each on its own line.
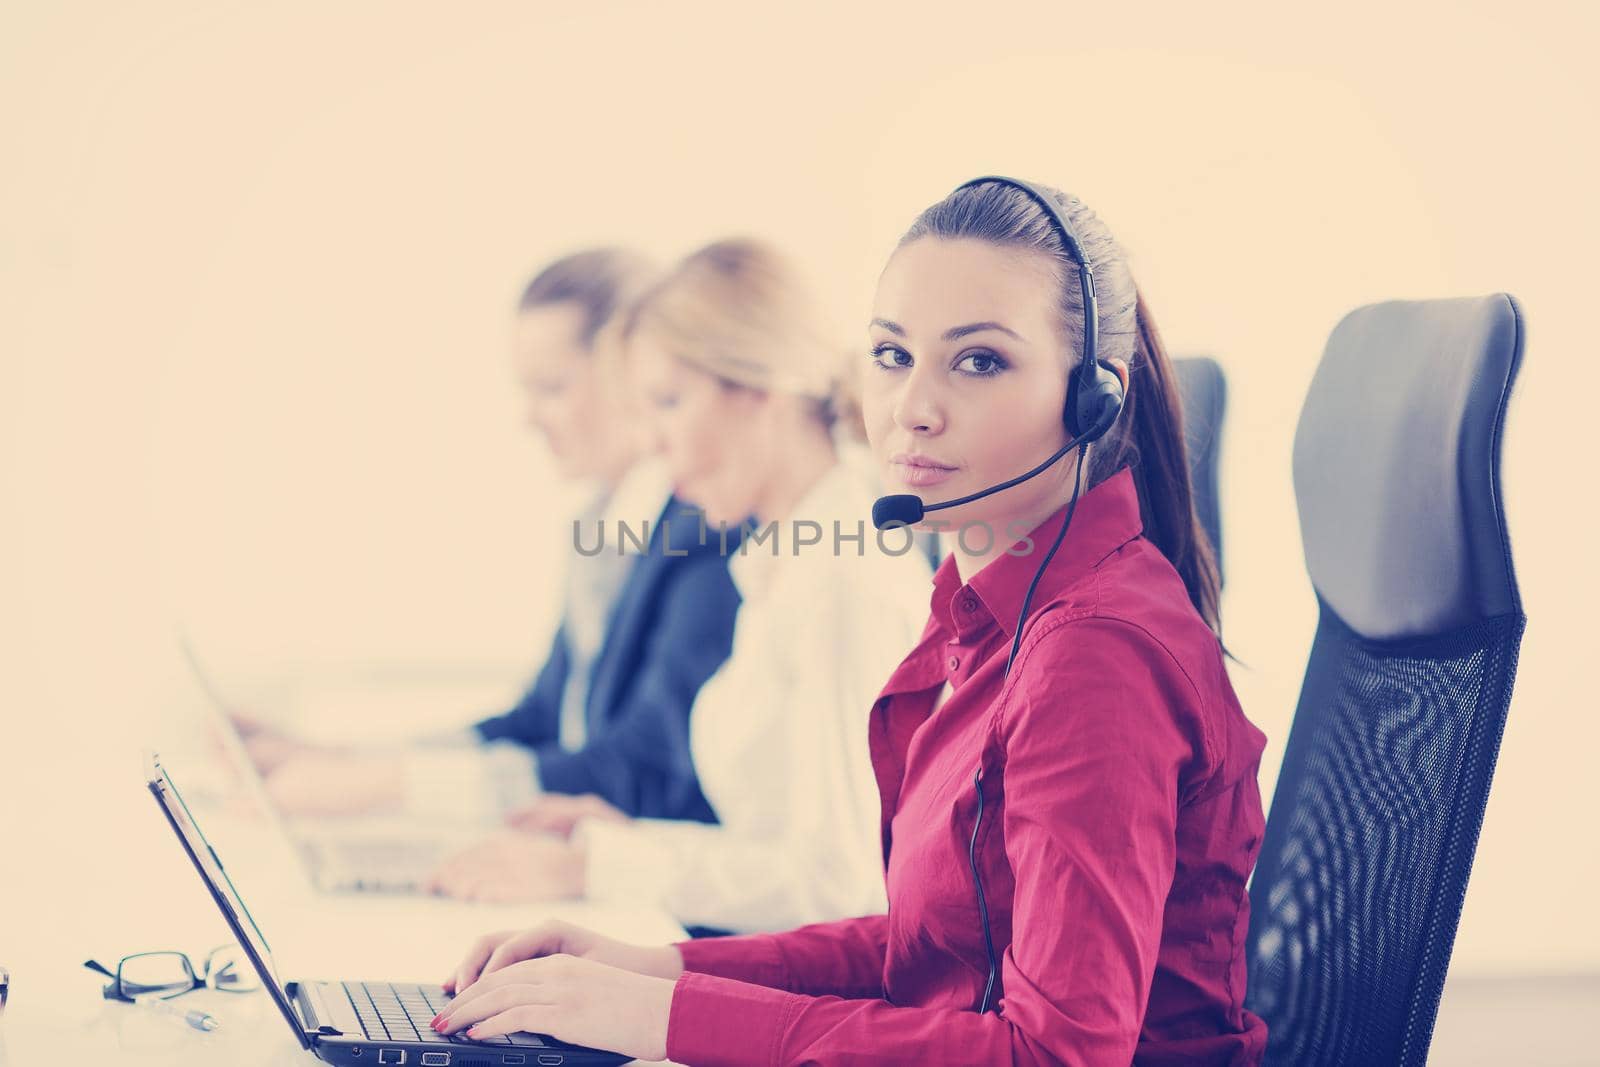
(969,604)
(955,661)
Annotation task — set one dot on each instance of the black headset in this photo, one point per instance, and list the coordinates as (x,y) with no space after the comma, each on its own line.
(1095,396)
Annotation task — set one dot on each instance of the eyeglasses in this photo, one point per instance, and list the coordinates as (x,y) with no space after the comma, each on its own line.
(164,975)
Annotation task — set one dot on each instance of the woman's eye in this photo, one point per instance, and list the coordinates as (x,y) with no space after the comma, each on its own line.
(981,364)
(897,357)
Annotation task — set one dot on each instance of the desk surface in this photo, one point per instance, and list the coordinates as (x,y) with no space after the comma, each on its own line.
(97,874)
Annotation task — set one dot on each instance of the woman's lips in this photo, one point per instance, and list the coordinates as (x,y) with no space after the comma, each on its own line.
(921,475)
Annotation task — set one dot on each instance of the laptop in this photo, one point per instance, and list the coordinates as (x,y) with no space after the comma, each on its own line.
(337,859)
(350,1022)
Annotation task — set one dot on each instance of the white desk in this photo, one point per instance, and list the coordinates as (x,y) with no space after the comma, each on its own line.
(102,876)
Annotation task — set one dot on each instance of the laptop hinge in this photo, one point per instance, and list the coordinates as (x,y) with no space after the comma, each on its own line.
(314,1013)
(331,1010)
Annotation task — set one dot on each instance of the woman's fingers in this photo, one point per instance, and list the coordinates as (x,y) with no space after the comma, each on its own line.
(538,941)
(558,813)
(534,1018)
(458,875)
(471,966)
(536,818)
(499,950)
(495,1002)
(553,814)
(528,972)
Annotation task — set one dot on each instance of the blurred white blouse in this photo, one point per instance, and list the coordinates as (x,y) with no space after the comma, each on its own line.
(779,734)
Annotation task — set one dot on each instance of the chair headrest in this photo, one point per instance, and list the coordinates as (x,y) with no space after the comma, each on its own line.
(1205,392)
(1397,465)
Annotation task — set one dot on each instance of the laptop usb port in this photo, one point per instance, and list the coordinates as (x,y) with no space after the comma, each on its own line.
(391,1055)
(513,1057)
(435,1059)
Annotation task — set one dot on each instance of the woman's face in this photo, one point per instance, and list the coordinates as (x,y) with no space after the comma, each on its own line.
(567,402)
(967,381)
(710,434)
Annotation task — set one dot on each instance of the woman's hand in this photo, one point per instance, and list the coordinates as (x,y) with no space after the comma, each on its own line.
(497,951)
(512,867)
(268,746)
(558,813)
(577,1000)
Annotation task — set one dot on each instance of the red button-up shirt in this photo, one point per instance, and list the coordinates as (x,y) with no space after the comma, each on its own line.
(1121,818)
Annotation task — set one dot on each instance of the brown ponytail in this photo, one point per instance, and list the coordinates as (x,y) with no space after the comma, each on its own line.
(1151,441)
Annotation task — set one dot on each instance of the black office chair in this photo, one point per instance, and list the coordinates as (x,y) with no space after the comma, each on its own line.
(1364,864)
(1203,391)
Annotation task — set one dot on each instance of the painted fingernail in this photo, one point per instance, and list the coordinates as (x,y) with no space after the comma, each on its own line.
(472,1032)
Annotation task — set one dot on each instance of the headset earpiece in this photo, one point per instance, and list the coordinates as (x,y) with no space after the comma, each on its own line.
(1094,402)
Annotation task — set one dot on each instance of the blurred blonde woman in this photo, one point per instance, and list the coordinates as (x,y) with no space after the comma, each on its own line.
(641,629)
(749,414)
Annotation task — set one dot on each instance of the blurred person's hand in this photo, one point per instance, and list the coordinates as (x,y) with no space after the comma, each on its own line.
(335,782)
(558,813)
(497,951)
(512,867)
(268,746)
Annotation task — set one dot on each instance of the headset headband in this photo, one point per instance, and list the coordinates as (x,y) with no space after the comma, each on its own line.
(1069,238)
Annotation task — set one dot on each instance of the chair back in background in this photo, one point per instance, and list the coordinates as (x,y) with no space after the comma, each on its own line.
(1203,391)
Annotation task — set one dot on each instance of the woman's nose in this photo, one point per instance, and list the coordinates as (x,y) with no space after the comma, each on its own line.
(648,436)
(917,409)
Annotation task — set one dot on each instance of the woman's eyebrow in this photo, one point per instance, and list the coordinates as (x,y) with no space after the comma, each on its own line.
(955,333)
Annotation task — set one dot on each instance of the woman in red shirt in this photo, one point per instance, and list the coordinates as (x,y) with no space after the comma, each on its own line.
(1069,799)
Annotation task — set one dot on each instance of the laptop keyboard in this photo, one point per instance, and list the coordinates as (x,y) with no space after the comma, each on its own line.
(397,1011)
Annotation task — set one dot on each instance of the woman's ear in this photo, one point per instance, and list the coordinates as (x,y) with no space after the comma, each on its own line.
(1121,368)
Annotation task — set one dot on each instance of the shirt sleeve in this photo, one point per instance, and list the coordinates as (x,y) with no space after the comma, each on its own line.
(843,958)
(1097,731)
(646,736)
(534,718)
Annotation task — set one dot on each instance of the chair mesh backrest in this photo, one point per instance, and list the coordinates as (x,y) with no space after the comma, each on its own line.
(1203,392)
(1355,907)
(1364,863)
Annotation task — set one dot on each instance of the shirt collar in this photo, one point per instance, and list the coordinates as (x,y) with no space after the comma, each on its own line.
(1106,518)
(636,501)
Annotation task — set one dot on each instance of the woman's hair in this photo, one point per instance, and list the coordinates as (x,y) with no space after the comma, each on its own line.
(600,282)
(740,311)
(1148,436)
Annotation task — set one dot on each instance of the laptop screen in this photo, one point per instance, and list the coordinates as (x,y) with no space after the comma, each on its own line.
(227,898)
(227,734)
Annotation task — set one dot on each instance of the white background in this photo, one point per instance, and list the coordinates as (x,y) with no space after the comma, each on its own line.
(256,265)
